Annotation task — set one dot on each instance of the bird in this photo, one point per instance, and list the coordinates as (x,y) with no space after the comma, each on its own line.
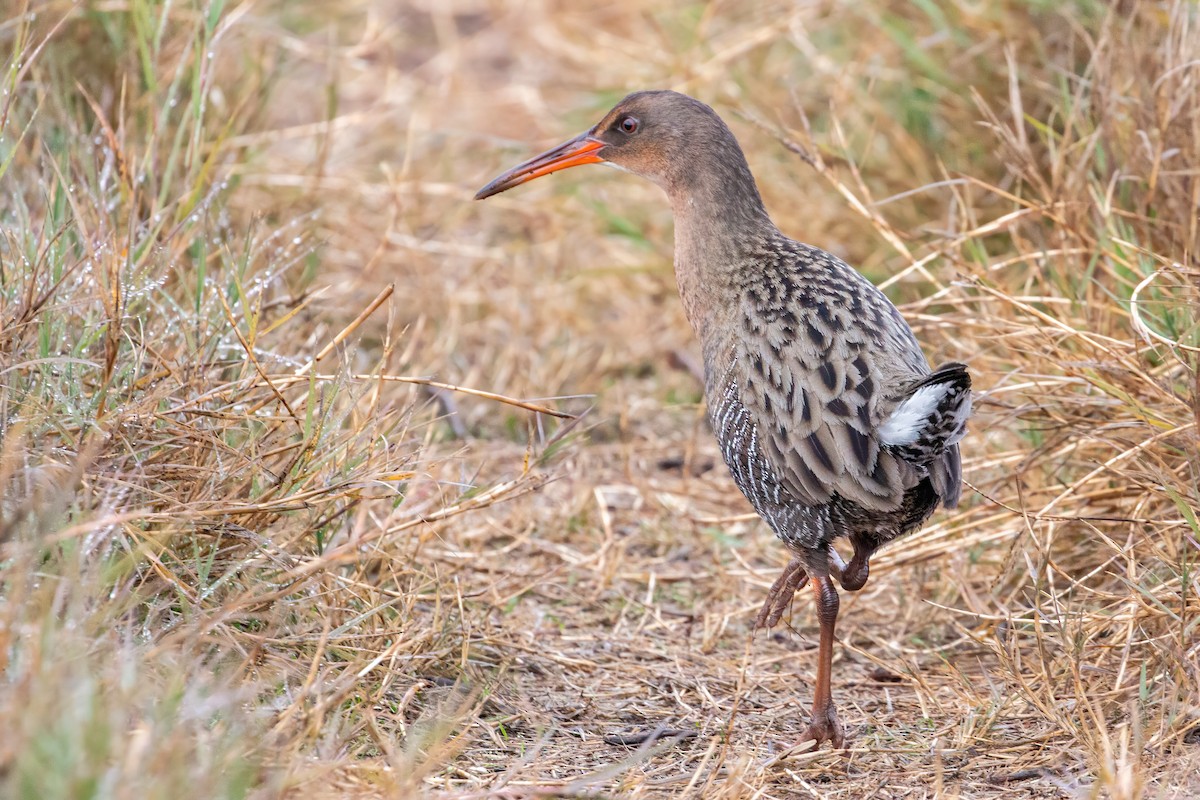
(824,407)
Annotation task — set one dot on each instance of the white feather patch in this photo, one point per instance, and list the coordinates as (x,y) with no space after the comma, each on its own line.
(905,424)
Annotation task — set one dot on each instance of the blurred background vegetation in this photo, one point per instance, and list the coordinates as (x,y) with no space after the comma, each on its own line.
(255,540)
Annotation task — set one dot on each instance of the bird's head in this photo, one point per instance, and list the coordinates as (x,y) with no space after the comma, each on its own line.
(661,135)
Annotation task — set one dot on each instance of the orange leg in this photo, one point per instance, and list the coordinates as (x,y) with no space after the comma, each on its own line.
(780,595)
(825,724)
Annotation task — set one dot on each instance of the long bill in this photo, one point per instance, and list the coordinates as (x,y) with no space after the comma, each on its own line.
(580,150)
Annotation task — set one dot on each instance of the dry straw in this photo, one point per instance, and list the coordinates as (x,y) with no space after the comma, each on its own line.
(258,538)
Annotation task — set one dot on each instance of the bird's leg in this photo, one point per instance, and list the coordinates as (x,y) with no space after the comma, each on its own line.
(780,595)
(853,576)
(825,725)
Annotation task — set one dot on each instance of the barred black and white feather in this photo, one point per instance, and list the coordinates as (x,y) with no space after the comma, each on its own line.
(931,417)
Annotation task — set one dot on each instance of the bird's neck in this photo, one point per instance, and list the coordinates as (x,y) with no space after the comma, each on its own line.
(719,224)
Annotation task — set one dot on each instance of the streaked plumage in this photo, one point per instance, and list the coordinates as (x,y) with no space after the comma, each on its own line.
(826,411)
(813,365)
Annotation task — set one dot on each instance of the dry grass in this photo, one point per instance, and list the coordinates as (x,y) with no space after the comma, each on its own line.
(241,558)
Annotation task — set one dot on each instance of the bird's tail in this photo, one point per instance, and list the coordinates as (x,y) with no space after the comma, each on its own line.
(932,416)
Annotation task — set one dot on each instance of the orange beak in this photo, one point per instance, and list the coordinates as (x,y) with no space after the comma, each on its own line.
(580,150)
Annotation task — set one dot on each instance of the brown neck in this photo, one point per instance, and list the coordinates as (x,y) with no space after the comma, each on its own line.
(719,221)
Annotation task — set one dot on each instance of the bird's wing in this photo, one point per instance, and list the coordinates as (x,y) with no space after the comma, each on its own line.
(817,371)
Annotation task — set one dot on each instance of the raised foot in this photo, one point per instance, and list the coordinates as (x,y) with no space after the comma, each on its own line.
(779,596)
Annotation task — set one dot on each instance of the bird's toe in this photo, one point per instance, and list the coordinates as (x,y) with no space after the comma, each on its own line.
(779,596)
(826,728)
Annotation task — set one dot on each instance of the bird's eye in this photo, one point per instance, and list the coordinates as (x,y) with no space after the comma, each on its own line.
(630,125)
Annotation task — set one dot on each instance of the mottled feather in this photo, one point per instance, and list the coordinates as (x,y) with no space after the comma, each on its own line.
(816,363)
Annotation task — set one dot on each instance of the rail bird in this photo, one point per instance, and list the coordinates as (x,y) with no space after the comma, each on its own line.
(825,409)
